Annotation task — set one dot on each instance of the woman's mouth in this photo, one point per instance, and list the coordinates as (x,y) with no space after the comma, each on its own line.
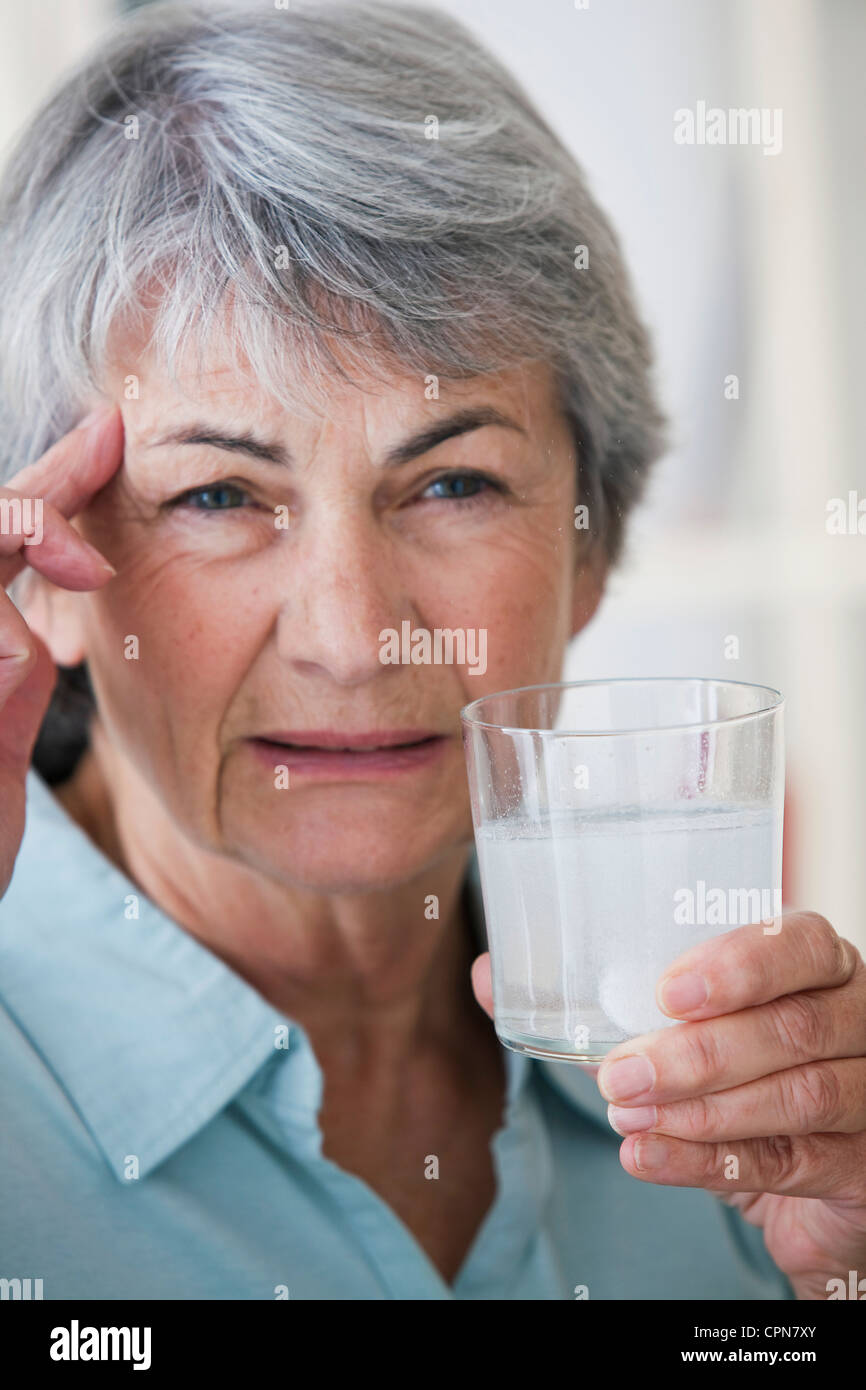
(328,755)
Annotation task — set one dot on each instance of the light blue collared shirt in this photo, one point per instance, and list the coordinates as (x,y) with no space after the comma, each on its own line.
(156,1142)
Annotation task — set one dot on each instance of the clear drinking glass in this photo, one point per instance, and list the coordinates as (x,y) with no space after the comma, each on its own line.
(618,823)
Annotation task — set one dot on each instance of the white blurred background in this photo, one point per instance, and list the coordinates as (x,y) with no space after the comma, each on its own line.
(746,265)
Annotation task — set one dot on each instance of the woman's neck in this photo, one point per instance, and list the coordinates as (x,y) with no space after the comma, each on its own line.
(366,974)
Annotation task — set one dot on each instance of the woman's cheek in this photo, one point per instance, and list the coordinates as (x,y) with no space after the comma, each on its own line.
(520,629)
(526,641)
(517,584)
(171,614)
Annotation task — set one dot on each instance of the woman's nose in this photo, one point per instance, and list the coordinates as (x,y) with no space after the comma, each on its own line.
(344,585)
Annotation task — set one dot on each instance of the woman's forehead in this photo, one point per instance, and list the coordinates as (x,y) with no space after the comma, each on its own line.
(214,392)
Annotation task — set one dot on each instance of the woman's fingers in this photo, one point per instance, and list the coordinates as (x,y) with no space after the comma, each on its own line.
(726,1049)
(35,530)
(27,676)
(56,550)
(828,1167)
(17,650)
(78,465)
(752,965)
(817,1098)
(37,501)
(481,983)
(717,1054)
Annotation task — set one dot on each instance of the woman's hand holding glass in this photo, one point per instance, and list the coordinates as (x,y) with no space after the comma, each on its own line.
(759,1096)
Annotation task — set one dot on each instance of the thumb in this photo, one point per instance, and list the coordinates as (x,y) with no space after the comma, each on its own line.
(20,717)
(22,711)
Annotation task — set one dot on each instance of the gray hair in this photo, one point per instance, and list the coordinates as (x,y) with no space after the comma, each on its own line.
(277,164)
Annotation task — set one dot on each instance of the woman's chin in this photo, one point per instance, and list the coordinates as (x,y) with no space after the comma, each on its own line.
(346,858)
(326,873)
(348,839)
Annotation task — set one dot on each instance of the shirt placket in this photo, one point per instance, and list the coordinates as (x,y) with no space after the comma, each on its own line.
(289,1104)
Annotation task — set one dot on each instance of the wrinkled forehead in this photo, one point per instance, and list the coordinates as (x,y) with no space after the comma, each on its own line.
(210,381)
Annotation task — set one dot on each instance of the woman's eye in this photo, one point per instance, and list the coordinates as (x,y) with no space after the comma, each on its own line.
(215,497)
(460,487)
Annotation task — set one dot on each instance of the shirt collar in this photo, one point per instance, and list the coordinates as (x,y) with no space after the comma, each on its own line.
(149,1033)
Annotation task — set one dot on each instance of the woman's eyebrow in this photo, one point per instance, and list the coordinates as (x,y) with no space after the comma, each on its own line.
(271,451)
(462,422)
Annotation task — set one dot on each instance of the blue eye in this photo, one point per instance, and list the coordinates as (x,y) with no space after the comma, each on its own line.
(464,487)
(216,497)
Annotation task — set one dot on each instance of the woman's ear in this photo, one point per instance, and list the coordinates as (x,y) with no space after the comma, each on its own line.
(54,615)
(589,585)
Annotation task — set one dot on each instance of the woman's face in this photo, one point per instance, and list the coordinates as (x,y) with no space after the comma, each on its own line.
(261,559)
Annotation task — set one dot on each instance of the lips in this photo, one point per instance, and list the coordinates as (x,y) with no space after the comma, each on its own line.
(327,755)
(364,742)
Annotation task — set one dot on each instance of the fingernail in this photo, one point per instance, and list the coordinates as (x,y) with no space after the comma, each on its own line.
(630,1121)
(650,1152)
(629,1077)
(97,557)
(681,994)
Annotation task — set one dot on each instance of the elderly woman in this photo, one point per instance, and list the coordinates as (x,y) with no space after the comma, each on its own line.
(358,342)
